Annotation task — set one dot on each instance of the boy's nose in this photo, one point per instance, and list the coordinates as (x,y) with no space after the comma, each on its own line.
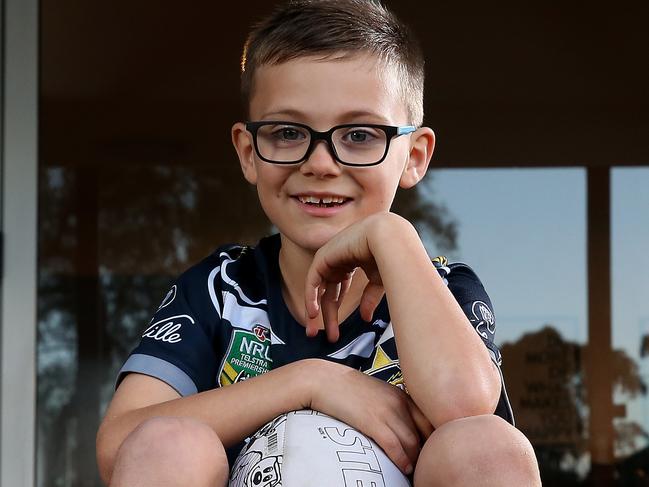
(321,161)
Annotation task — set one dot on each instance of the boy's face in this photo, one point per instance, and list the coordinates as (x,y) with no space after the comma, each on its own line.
(322,94)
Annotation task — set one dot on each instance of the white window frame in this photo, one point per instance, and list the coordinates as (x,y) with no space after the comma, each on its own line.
(18,195)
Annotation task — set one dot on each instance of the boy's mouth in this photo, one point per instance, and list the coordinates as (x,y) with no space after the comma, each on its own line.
(322,201)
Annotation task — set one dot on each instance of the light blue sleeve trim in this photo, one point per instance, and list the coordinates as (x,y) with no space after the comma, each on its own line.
(160,369)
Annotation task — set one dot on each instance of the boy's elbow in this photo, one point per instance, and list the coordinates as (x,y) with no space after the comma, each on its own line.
(462,402)
(461,409)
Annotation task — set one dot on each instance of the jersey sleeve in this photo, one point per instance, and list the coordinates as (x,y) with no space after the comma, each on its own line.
(470,294)
(178,344)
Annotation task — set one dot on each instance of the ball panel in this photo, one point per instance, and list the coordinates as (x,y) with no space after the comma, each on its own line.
(310,449)
(259,464)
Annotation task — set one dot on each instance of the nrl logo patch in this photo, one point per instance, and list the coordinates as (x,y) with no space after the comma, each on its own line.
(248,355)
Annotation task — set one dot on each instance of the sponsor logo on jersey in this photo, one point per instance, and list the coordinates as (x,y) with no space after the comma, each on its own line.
(248,355)
(261,333)
(168,329)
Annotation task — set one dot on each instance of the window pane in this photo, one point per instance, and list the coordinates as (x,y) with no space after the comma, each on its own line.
(630,314)
(523,231)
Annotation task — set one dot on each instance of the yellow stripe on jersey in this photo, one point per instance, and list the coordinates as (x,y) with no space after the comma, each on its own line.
(229,375)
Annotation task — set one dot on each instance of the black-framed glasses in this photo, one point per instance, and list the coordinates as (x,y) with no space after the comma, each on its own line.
(280,142)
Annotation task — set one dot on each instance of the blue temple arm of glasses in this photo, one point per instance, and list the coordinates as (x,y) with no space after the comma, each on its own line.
(406,129)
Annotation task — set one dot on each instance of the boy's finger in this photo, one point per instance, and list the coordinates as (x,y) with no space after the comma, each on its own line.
(344,287)
(329,305)
(312,294)
(372,296)
(424,426)
(389,441)
(311,326)
(408,435)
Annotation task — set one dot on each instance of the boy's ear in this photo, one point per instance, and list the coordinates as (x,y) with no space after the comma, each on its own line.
(242,141)
(422,144)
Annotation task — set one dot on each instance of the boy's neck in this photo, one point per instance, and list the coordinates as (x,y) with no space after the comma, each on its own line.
(294,263)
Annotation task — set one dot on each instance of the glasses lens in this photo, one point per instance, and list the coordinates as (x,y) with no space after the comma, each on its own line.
(282,143)
(359,145)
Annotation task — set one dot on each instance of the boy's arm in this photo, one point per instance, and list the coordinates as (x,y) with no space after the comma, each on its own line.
(447,368)
(234,412)
(140,397)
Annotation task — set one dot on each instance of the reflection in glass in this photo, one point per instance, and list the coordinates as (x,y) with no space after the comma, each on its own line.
(523,231)
(630,315)
(110,241)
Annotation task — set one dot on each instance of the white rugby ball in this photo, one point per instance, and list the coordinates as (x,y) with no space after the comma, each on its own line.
(310,449)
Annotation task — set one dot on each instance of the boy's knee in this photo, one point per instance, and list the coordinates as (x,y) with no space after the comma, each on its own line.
(479,450)
(174,448)
(172,436)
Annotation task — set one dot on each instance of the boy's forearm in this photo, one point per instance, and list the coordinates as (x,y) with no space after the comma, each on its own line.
(265,397)
(446,367)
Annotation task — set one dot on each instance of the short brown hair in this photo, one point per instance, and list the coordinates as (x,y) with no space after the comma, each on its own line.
(339,28)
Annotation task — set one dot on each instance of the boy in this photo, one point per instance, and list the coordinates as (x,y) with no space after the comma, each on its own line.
(334,90)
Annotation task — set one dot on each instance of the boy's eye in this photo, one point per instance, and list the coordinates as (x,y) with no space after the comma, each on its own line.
(289,134)
(360,135)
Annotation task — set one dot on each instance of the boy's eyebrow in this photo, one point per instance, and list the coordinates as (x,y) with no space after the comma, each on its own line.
(283,113)
(292,114)
(355,114)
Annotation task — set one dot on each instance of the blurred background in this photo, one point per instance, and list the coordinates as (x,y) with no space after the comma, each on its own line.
(539,181)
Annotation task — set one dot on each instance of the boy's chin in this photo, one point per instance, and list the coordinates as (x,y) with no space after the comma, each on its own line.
(309,241)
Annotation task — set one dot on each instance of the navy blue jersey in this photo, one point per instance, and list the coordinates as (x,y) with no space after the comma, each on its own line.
(225,320)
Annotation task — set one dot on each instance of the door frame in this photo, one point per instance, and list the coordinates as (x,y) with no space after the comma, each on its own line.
(19,201)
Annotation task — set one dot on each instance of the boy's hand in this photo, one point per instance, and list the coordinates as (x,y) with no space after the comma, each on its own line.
(330,275)
(378,409)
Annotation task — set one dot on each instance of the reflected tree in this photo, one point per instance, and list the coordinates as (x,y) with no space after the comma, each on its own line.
(549,395)
(57,353)
(431,217)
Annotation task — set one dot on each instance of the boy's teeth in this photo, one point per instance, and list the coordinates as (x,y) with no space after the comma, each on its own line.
(324,200)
